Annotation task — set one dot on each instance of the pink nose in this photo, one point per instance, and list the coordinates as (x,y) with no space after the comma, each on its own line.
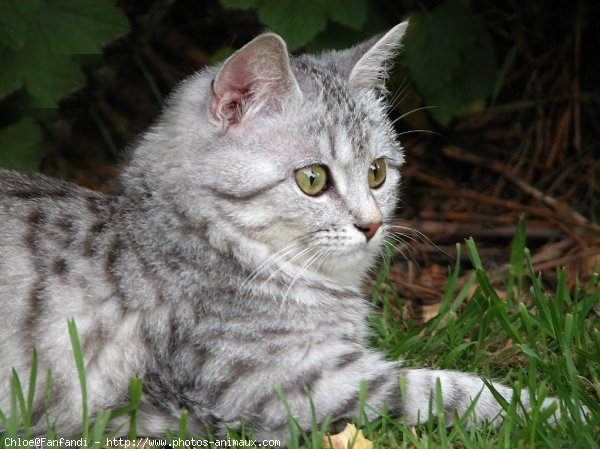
(368,229)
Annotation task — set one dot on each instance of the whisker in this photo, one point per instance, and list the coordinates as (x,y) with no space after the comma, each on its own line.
(323,260)
(413,131)
(287,263)
(399,242)
(422,236)
(412,111)
(288,248)
(399,237)
(401,90)
(303,268)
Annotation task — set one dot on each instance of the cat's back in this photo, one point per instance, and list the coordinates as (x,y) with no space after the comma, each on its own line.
(35,206)
(20,193)
(48,229)
(57,244)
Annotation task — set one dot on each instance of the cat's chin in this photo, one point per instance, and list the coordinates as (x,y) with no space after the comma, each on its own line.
(348,266)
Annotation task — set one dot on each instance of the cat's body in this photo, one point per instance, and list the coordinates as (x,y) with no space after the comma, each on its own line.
(213,276)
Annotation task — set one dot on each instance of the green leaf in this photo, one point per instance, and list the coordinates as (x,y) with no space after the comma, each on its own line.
(64,26)
(240,4)
(16,20)
(299,22)
(11,78)
(351,13)
(37,38)
(451,59)
(84,25)
(20,147)
(49,77)
(296,21)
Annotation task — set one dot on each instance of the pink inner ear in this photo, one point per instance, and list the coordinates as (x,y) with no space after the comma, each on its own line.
(231,89)
(229,105)
(257,76)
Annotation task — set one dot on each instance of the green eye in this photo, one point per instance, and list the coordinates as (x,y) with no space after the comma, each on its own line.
(377,173)
(312,180)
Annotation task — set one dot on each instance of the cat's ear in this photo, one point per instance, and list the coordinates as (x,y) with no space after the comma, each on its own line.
(256,78)
(375,57)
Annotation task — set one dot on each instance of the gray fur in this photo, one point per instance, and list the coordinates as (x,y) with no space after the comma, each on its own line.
(212,275)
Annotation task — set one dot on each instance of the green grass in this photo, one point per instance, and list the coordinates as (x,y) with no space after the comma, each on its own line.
(548,342)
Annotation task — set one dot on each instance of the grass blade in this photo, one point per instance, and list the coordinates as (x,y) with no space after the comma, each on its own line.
(78,355)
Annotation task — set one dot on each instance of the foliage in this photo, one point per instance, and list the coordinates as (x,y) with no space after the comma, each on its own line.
(38,39)
(451,60)
(300,21)
(448,55)
(448,52)
(20,145)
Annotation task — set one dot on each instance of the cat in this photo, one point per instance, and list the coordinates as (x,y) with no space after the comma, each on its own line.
(230,261)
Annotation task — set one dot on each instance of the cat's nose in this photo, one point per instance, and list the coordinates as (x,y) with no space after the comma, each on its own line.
(369,229)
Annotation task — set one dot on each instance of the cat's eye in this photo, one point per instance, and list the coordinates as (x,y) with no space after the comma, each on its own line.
(312,180)
(377,173)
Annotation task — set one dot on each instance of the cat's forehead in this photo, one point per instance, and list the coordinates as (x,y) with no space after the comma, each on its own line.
(346,120)
(324,84)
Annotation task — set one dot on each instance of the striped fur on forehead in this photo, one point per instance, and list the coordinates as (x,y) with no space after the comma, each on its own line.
(345,110)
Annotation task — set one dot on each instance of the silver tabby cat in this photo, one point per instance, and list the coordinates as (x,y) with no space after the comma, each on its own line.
(231,261)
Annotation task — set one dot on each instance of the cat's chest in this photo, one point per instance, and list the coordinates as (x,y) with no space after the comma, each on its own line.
(227,320)
(295,324)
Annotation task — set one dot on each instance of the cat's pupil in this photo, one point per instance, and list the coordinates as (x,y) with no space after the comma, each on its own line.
(376,173)
(312,178)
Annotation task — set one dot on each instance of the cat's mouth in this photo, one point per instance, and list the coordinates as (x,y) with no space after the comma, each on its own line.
(341,254)
(332,250)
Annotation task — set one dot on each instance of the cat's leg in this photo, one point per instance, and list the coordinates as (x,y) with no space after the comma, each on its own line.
(459,392)
(250,398)
(335,394)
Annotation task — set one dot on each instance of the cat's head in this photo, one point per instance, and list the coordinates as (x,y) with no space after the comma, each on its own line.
(287,160)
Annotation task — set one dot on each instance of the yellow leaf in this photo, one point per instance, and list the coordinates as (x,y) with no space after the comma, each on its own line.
(349,437)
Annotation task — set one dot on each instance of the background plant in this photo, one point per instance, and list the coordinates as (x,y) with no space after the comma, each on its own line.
(39,44)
